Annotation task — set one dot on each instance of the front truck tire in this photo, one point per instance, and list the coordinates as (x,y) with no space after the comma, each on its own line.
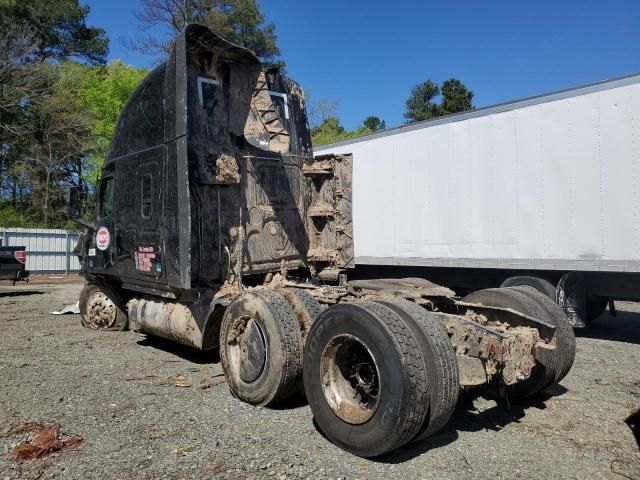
(365,378)
(261,348)
(533,304)
(102,308)
(440,361)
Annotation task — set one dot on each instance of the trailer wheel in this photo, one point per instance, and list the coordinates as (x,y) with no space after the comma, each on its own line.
(305,307)
(261,348)
(540,284)
(440,360)
(102,308)
(365,378)
(565,338)
(541,376)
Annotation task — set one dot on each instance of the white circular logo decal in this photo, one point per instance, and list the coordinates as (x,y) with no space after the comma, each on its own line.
(103,238)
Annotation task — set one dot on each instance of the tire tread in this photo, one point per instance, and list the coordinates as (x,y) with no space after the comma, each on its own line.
(290,341)
(415,375)
(446,387)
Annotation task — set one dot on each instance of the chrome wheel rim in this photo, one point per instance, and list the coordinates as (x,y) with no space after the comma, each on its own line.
(101,311)
(350,379)
(247,349)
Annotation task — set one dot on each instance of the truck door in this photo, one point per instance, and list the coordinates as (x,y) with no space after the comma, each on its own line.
(101,252)
(139,210)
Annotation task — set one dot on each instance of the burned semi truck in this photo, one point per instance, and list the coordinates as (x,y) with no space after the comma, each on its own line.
(217,228)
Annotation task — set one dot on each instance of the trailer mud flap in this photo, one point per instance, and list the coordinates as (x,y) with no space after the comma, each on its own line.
(328,217)
(570,295)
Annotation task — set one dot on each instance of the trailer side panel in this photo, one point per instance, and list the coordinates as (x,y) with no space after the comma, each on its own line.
(548,184)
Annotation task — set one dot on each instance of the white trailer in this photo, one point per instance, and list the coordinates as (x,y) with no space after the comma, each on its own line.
(545,187)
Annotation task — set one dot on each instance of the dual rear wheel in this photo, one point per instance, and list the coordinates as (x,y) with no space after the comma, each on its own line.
(377,375)
(594,307)
(261,343)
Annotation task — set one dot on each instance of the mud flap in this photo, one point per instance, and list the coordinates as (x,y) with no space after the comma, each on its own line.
(328,216)
(570,295)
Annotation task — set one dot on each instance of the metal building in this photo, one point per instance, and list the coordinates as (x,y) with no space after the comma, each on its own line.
(48,251)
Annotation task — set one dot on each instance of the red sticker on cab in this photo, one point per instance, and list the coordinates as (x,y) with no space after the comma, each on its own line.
(103,238)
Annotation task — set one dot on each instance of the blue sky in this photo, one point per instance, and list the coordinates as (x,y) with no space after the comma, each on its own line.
(366,55)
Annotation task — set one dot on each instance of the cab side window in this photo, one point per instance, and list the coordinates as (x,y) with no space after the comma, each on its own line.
(281,102)
(146,201)
(106,197)
(207,88)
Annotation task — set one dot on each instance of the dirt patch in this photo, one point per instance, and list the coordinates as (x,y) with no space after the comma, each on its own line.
(227,170)
(117,391)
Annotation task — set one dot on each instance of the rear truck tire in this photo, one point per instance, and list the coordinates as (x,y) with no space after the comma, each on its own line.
(261,348)
(102,308)
(565,337)
(440,361)
(541,377)
(365,378)
(305,307)
(540,284)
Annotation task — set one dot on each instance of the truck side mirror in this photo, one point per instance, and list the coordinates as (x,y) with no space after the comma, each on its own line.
(74,205)
(76,199)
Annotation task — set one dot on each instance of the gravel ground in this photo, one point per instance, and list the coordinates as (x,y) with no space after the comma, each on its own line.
(117,391)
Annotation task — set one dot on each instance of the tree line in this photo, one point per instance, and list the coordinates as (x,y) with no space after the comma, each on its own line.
(60,99)
(59,102)
(427,100)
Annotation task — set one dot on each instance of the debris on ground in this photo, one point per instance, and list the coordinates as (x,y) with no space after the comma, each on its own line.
(204,384)
(182,382)
(43,440)
(74,308)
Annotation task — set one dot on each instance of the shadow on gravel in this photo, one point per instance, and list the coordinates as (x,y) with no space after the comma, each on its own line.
(441,439)
(297,401)
(625,327)
(19,293)
(182,351)
(466,418)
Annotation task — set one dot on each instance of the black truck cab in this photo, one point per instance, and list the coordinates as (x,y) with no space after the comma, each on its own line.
(206,162)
